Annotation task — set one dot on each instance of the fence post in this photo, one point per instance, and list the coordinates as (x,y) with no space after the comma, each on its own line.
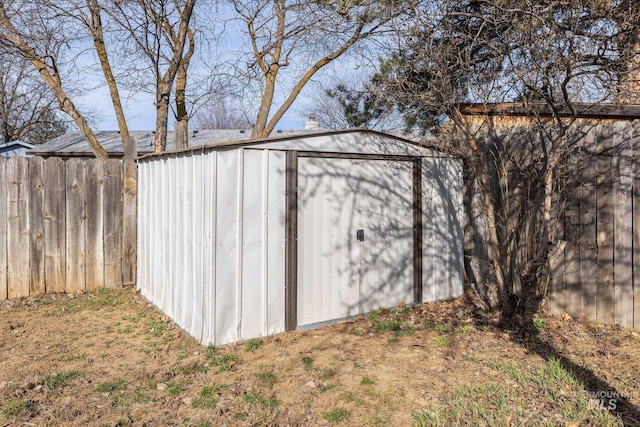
(3,228)
(129,225)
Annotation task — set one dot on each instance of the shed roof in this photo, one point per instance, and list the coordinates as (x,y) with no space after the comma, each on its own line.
(580,110)
(309,141)
(74,144)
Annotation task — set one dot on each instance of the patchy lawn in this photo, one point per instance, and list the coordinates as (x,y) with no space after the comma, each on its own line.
(109,358)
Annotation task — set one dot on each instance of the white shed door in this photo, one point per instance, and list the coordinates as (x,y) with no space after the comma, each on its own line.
(355,237)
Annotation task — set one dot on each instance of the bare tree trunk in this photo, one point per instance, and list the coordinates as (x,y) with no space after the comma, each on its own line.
(165,82)
(101,49)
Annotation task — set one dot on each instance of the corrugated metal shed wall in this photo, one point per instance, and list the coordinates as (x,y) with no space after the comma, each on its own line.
(211,234)
(218,276)
(442,248)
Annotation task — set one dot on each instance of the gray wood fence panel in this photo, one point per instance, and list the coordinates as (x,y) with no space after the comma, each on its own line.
(36,225)
(572,249)
(636,221)
(95,209)
(75,226)
(558,268)
(623,216)
(113,224)
(605,228)
(587,236)
(129,220)
(61,225)
(54,225)
(17,227)
(3,228)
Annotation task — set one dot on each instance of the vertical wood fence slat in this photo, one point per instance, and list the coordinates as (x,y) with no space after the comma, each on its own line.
(129,231)
(113,224)
(605,230)
(587,237)
(54,225)
(3,228)
(94,270)
(75,226)
(623,268)
(636,221)
(572,248)
(36,224)
(18,228)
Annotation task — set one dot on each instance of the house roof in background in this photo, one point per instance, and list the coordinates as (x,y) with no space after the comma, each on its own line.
(581,110)
(16,143)
(14,148)
(74,144)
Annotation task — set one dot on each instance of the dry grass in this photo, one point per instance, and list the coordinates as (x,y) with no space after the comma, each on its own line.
(109,358)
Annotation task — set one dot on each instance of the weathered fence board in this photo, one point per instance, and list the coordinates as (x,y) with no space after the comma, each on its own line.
(76,220)
(623,268)
(54,225)
(18,228)
(587,236)
(36,225)
(605,229)
(94,268)
(635,179)
(3,228)
(130,219)
(113,224)
(61,225)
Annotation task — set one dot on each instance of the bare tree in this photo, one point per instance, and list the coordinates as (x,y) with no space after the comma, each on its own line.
(344,107)
(547,57)
(159,32)
(34,33)
(291,40)
(27,108)
(221,112)
(54,35)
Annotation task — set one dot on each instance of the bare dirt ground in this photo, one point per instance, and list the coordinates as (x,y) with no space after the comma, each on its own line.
(109,358)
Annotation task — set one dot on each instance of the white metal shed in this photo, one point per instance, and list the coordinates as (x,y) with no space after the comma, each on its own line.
(248,239)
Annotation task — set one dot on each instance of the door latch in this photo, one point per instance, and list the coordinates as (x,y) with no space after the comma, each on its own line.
(360,235)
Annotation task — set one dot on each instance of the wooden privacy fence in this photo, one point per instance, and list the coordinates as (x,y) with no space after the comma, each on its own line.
(65,226)
(599,276)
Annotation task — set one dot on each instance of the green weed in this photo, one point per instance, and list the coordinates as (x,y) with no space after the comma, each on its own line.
(174,389)
(252,345)
(112,386)
(18,408)
(157,328)
(193,368)
(307,361)
(386,326)
(337,415)
(367,381)
(268,377)
(208,397)
(255,398)
(442,341)
(539,323)
(61,379)
(326,373)
(224,362)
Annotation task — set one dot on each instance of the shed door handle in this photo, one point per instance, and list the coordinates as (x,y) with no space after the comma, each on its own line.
(360,235)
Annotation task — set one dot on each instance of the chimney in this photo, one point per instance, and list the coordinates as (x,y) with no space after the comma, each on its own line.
(311,123)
